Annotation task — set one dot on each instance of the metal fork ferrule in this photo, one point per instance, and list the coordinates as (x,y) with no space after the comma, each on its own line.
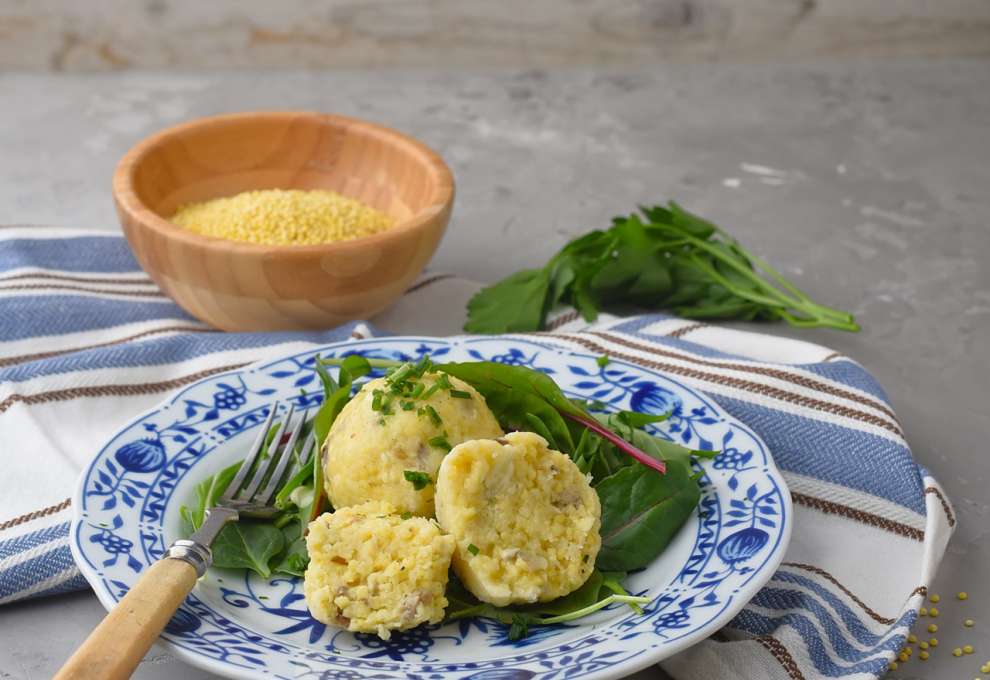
(191,552)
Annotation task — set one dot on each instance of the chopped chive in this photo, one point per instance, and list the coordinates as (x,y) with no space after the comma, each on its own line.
(433,415)
(376,400)
(473,549)
(400,374)
(440,442)
(460,394)
(423,365)
(406,515)
(417,390)
(418,479)
(602,360)
(407,405)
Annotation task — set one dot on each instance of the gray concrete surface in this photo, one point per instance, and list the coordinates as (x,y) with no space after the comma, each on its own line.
(868,182)
(111,35)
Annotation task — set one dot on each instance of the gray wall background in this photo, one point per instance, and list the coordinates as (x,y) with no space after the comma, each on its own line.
(101,35)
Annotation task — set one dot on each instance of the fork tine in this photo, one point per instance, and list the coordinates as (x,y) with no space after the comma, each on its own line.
(265,496)
(259,444)
(273,453)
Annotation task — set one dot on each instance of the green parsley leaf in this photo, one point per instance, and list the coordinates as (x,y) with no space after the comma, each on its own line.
(516,303)
(662,258)
(419,480)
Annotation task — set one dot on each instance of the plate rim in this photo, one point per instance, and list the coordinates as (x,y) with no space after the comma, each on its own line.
(620,669)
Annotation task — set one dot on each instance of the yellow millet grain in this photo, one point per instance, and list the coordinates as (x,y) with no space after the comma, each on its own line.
(933,612)
(283,217)
(923,656)
(935,598)
(932,628)
(912,638)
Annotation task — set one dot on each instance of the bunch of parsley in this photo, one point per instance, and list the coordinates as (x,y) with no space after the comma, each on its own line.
(665,258)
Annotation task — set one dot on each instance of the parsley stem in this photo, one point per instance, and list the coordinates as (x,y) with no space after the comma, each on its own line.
(592,608)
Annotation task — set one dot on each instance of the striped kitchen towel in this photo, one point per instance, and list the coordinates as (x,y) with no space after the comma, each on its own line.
(87,341)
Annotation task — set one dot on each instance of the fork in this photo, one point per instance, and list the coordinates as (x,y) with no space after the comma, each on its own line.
(114,649)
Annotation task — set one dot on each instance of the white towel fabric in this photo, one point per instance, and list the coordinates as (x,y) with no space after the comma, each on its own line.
(87,341)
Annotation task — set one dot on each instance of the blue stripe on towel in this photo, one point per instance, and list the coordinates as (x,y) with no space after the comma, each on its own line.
(91,254)
(758,624)
(852,458)
(33,540)
(75,313)
(38,568)
(77,582)
(851,620)
(166,350)
(789,600)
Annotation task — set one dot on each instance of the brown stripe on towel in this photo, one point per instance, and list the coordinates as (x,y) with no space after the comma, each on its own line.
(945,504)
(834,581)
(681,332)
(143,281)
(44,512)
(565,318)
(6,361)
(831,508)
(112,390)
(428,281)
(780,653)
(84,289)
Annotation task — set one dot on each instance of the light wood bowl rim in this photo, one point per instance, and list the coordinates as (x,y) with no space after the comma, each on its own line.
(124,193)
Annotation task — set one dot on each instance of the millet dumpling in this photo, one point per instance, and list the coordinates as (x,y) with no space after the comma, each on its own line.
(525,519)
(367,452)
(372,571)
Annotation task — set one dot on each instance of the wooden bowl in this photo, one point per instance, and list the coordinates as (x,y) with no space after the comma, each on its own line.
(248,287)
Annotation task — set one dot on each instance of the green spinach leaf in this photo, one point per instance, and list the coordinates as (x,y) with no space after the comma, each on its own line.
(642,512)
(248,544)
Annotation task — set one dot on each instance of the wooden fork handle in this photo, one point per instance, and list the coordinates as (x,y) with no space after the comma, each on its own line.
(125,635)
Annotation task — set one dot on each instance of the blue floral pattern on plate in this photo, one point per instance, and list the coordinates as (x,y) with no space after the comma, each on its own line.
(240,625)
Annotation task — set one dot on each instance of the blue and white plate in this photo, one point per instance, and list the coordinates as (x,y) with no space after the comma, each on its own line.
(241,626)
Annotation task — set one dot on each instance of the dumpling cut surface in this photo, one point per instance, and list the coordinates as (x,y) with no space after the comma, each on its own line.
(371,571)
(525,519)
(367,453)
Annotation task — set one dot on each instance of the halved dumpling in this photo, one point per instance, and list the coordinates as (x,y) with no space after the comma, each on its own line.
(373,571)
(525,519)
